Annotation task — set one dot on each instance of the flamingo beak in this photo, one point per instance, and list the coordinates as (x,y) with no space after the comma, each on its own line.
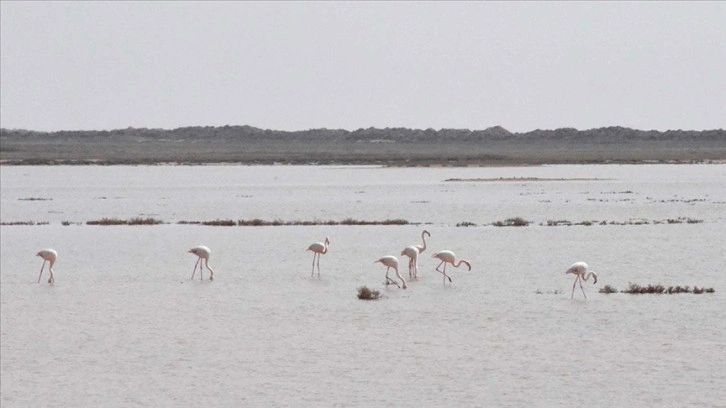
(595,281)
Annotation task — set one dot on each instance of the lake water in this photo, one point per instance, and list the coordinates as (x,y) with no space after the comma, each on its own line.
(124,326)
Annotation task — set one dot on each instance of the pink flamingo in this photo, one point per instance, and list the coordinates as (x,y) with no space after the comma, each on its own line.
(48,255)
(202,252)
(318,248)
(581,270)
(450,258)
(412,253)
(391,262)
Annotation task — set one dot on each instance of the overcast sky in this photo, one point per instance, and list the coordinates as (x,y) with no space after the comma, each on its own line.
(350,65)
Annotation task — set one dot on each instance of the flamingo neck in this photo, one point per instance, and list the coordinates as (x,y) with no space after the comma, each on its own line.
(423,238)
(461,261)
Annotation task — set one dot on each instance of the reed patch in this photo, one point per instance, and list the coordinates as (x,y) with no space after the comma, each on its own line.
(658,289)
(512,222)
(25,223)
(132,221)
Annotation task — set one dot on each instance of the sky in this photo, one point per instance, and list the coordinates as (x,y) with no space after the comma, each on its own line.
(350,65)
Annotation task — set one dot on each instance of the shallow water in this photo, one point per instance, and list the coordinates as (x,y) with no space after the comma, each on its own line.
(124,326)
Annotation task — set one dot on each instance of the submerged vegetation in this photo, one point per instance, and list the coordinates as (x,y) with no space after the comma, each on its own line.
(549,292)
(512,222)
(256,222)
(25,223)
(632,221)
(636,289)
(132,221)
(366,294)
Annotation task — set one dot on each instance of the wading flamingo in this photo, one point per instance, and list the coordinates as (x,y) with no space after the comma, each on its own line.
(391,262)
(48,255)
(202,252)
(581,270)
(412,253)
(318,248)
(449,257)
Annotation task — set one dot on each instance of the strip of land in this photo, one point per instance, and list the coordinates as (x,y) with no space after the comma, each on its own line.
(390,146)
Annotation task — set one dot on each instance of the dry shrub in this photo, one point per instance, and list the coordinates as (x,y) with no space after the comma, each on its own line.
(608,289)
(107,221)
(512,222)
(366,294)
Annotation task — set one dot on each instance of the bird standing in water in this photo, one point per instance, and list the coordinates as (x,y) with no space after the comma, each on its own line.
(48,255)
(202,252)
(581,270)
(318,249)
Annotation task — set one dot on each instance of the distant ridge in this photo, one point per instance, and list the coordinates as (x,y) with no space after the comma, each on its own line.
(393,146)
(371,133)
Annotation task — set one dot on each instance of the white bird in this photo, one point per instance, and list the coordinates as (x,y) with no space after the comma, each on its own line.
(391,262)
(48,255)
(202,252)
(581,270)
(318,248)
(450,258)
(412,253)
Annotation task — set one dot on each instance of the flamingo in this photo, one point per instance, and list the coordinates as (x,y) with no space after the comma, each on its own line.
(202,252)
(318,248)
(449,257)
(581,270)
(391,262)
(48,255)
(412,253)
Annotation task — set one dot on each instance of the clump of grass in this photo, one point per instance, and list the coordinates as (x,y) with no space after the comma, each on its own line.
(347,221)
(107,221)
(551,292)
(144,221)
(220,223)
(252,223)
(466,224)
(635,289)
(608,289)
(366,294)
(35,199)
(512,222)
(18,223)
(184,222)
(557,223)
(117,221)
(351,221)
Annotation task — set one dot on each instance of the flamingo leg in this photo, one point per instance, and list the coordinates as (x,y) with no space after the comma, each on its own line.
(573,287)
(312,273)
(390,281)
(41,271)
(52,275)
(318,265)
(195,268)
(583,289)
(443,272)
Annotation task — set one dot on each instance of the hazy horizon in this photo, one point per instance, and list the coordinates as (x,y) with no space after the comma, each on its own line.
(293,66)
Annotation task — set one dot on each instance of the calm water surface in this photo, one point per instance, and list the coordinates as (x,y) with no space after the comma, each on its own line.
(124,325)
